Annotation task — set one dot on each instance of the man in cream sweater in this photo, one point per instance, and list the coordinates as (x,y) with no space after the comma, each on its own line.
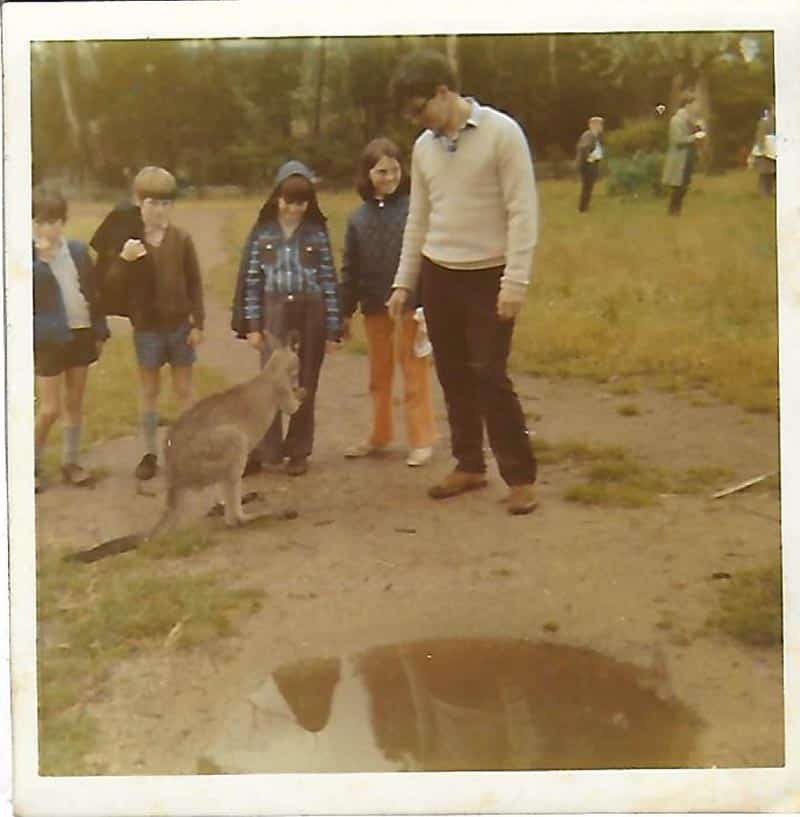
(469,240)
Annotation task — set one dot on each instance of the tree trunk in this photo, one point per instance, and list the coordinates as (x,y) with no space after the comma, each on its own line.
(320,89)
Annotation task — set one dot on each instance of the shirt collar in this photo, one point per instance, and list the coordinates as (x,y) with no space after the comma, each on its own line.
(472,121)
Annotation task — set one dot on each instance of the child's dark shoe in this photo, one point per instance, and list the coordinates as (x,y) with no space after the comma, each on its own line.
(297,466)
(76,475)
(147,467)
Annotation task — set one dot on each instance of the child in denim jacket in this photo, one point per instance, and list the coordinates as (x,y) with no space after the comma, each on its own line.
(287,282)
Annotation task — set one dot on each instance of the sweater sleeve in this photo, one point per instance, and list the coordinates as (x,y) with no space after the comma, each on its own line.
(350,274)
(330,288)
(194,283)
(416,226)
(519,194)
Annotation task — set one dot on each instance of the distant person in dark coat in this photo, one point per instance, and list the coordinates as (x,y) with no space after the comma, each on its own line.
(588,157)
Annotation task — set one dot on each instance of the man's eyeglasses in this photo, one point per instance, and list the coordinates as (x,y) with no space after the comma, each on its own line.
(414,108)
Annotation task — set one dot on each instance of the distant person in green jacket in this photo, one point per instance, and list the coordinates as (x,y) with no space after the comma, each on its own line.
(684,134)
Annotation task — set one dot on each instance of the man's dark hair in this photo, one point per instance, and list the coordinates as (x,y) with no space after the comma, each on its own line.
(420,73)
(48,205)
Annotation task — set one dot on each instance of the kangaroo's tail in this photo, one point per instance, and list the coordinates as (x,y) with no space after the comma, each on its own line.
(122,544)
(111,547)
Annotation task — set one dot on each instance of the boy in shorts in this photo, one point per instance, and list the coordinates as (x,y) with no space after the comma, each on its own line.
(68,331)
(166,308)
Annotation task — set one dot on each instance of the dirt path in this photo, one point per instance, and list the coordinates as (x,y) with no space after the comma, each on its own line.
(371,561)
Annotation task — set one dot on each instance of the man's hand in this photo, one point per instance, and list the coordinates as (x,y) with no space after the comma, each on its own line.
(132,249)
(507,307)
(396,303)
(195,337)
(255,339)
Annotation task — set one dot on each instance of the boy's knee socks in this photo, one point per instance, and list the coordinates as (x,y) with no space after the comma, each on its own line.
(72,439)
(149,430)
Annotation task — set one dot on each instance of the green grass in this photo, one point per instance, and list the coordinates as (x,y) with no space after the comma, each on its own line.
(750,606)
(615,476)
(628,292)
(92,616)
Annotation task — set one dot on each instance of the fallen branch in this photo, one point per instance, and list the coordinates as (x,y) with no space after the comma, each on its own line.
(742,485)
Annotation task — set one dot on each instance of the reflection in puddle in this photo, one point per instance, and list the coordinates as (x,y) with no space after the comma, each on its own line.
(468,704)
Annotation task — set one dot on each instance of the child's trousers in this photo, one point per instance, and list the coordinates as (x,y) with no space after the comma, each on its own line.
(383,350)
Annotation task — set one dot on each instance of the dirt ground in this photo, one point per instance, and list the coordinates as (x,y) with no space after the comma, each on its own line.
(371,561)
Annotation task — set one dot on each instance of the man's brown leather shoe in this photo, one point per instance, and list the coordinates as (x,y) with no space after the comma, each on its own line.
(455,483)
(522,499)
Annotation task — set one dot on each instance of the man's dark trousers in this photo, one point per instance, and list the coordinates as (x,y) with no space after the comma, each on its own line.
(589,173)
(470,349)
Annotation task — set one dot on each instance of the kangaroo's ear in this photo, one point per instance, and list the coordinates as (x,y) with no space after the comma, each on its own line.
(293,340)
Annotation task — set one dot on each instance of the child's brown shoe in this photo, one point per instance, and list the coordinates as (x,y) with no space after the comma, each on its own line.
(455,483)
(521,499)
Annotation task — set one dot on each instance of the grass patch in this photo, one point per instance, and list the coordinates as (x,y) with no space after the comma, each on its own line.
(695,302)
(179,544)
(90,617)
(749,607)
(615,476)
(625,387)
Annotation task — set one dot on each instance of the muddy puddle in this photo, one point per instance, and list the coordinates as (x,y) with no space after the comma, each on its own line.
(450,705)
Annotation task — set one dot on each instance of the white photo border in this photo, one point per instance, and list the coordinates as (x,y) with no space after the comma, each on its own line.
(707,790)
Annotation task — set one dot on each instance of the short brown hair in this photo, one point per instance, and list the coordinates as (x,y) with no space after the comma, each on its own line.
(370,156)
(155,183)
(48,205)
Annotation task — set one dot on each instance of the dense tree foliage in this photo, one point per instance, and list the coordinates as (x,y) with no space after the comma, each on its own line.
(229,111)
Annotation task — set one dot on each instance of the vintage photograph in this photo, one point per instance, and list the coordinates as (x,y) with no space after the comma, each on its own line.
(405,403)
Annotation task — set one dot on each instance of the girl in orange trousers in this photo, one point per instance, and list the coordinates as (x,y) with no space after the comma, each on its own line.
(371,254)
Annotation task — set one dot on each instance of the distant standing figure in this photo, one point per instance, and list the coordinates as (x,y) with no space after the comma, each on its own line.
(588,157)
(763,153)
(678,166)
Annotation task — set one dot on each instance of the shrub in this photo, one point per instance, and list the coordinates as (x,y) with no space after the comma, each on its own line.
(645,135)
(636,175)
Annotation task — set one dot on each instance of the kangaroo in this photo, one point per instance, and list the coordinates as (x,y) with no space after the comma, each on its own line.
(209,443)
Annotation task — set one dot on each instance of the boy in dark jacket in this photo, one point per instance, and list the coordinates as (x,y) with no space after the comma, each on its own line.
(68,330)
